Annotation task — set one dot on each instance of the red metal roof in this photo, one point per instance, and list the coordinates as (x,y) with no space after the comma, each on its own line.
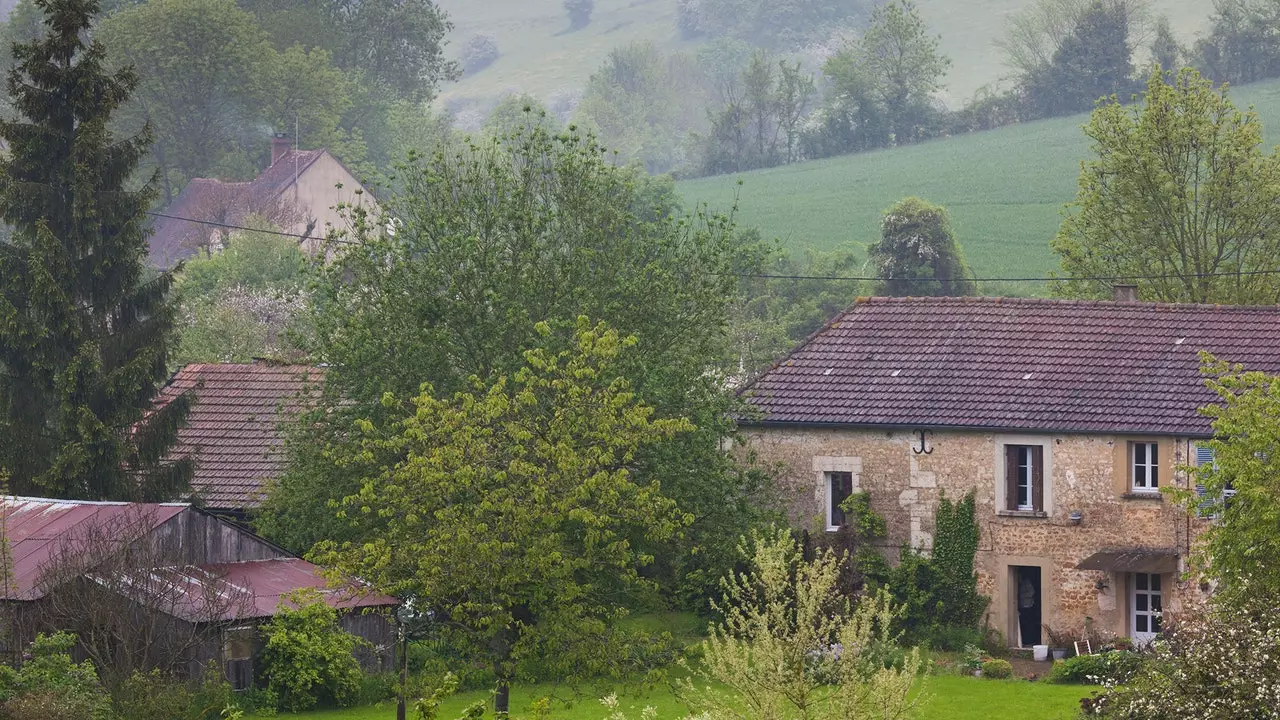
(36,528)
(1018,364)
(233,430)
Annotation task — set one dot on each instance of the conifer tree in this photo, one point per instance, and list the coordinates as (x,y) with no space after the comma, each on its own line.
(84,333)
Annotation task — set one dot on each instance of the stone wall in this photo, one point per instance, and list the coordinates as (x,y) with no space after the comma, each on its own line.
(1088,474)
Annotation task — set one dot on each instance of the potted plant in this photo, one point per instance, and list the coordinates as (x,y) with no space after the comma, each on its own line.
(1059,642)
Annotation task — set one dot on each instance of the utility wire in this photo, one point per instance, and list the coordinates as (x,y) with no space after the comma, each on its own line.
(830,278)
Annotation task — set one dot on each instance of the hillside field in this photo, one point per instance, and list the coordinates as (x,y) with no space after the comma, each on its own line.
(1005,189)
(541,56)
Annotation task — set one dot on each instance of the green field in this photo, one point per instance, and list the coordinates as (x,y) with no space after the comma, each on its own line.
(1005,189)
(540,57)
(948,697)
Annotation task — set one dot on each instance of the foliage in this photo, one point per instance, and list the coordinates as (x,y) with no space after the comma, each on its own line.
(938,593)
(579,12)
(529,486)
(791,645)
(641,104)
(152,696)
(1243,44)
(758,124)
(516,116)
(772,316)
(1166,51)
(996,669)
(1215,661)
(84,335)
(1237,548)
(239,303)
(50,685)
(1178,187)
(918,253)
(307,658)
(479,53)
(1106,668)
(443,300)
(395,46)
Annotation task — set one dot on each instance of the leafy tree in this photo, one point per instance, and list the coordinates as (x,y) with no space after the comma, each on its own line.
(84,336)
(852,118)
(641,104)
(1090,63)
(790,644)
(918,254)
(1179,188)
(516,115)
(241,302)
(1243,44)
(307,658)
(904,67)
(530,488)
(1237,549)
(396,46)
(490,239)
(579,12)
(1166,51)
(759,125)
(201,65)
(51,684)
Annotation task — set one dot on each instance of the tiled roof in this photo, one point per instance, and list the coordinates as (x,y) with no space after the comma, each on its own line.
(233,430)
(1017,364)
(37,530)
(173,240)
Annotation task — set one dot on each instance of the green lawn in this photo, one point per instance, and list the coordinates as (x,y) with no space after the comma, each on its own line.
(540,57)
(1005,189)
(949,698)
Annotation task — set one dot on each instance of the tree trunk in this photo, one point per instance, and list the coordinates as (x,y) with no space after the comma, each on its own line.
(502,699)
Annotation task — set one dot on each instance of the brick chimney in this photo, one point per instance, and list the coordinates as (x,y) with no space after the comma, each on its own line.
(281,143)
(1124,293)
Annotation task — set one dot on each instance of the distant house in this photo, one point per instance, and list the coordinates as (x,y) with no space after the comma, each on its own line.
(168,586)
(299,193)
(233,431)
(1066,419)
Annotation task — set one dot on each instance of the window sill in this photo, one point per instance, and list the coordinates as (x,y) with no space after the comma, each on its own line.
(1033,514)
(1156,495)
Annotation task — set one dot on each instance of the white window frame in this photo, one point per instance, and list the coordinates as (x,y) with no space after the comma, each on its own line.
(1152,615)
(1150,467)
(1029,476)
(823,467)
(830,477)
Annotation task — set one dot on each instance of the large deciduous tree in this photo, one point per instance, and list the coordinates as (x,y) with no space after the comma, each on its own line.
(905,67)
(84,335)
(918,254)
(486,241)
(1180,195)
(511,511)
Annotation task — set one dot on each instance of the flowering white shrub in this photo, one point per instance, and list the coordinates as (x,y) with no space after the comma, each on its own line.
(1213,661)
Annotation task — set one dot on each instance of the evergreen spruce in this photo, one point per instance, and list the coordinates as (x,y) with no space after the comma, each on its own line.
(84,334)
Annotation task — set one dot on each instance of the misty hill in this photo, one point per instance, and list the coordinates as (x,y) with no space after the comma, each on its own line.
(1005,189)
(541,55)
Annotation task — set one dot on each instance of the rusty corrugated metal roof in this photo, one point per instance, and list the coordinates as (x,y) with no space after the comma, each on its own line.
(36,529)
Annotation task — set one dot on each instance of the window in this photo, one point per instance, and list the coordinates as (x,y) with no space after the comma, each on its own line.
(839,488)
(1024,478)
(1210,507)
(1146,466)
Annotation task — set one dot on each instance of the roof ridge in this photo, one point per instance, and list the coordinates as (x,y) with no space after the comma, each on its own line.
(1066,302)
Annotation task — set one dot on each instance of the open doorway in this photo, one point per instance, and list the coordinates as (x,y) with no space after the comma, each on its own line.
(1027,596)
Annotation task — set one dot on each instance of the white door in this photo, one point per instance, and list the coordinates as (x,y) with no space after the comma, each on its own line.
(1147,604)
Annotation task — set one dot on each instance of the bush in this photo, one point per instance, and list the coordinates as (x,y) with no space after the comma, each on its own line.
(579,12)
(308,659)
(479,53)
(52,686)
(997,669)
(688,18)
(953,639)
(378,687)
(151,696)
(1109,668)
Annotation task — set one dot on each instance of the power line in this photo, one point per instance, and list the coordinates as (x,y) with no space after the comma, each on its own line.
(825,278)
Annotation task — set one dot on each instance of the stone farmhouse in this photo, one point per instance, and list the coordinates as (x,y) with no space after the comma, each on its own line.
(299,192)
(1065,418)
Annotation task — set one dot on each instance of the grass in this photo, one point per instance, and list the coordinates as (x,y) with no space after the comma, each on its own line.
(540,55)
(948,697)
(1005,189)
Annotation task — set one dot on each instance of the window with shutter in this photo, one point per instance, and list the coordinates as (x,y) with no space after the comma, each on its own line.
(1208,505)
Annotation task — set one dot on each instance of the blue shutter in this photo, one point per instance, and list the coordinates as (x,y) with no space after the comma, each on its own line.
(1204,458)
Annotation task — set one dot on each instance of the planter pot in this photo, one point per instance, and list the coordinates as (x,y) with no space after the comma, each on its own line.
(977,673)
(1059,653)
(1039,653)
